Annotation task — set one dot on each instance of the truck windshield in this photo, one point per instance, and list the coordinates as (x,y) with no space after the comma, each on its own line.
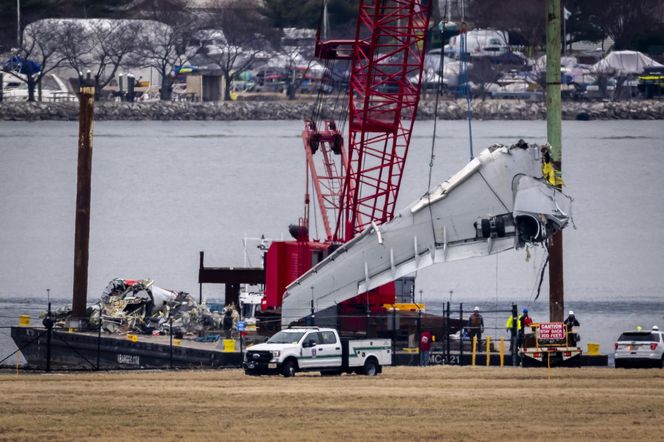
(284,337)
(248,310)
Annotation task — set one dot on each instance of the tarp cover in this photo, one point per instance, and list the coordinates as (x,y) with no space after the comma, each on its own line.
(623,63)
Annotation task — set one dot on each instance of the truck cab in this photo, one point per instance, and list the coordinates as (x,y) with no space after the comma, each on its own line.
(317,349)
(250,303)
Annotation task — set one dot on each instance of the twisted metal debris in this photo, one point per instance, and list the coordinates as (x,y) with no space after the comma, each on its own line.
(139,306)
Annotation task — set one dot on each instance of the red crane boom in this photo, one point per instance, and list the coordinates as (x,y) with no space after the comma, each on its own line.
(359,185)
(388,54)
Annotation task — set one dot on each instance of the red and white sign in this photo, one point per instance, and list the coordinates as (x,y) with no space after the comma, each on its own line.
(552,330)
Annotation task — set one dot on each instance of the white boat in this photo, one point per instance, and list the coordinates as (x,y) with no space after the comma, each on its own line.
(15,88)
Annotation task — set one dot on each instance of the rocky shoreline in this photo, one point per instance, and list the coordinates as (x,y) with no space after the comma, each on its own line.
(296,110)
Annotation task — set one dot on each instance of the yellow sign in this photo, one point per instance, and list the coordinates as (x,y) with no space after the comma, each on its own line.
(406,307)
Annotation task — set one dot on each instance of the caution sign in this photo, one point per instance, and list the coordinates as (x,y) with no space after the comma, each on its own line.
(551,330)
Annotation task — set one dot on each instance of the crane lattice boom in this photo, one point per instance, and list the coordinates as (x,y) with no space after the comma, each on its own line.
(384,94)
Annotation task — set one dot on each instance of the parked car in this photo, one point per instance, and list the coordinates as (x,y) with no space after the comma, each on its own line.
(640,348)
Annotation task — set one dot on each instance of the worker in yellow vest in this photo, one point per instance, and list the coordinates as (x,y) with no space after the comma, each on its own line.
(515,334)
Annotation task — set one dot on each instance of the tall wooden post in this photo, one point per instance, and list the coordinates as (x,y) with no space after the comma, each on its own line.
(83,190)
(553,130)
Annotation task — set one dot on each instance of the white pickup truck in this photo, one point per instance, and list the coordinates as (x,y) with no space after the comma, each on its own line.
(317,349)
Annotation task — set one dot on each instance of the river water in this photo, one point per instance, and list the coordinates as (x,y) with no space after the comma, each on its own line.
(163,191)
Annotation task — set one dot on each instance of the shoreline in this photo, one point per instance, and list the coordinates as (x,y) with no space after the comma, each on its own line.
(299,109)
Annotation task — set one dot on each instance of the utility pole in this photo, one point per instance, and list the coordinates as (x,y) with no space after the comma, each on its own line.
(18,23)
(553,131)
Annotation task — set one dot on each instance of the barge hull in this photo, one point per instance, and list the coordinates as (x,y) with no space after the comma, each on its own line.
(87,351)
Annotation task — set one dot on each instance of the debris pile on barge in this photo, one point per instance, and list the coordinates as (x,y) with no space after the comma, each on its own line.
(141,307)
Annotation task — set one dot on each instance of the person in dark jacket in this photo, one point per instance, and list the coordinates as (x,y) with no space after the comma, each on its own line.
(524,321)
(228,323)
(570,323)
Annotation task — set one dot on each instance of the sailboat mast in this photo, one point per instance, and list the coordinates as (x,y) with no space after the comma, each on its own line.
(553,130)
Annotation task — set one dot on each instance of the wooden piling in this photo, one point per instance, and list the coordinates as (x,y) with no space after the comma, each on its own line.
(83,191)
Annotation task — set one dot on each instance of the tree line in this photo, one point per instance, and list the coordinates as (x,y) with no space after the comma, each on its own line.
(102,46)
(634,24)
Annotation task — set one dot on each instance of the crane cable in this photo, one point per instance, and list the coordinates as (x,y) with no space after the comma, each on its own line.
(463,53)
(439,91)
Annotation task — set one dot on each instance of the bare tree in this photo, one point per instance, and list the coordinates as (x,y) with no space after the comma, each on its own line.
(245,32)
(37,55)
(166,42)
(298,66)
(625,22)
(99,46)
(164,48)
(527,17)
(483,73)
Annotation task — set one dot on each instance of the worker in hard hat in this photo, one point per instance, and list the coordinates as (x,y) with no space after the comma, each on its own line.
(570,323)
(476,326)
(514,332)
(525,321)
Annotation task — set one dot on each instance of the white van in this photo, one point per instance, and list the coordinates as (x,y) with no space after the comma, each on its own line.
(479,43)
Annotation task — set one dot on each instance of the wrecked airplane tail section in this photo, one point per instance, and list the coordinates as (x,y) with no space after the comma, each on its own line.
(497,202)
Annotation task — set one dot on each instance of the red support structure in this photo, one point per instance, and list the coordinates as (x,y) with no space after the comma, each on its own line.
(384,94)
(328,184)
(361,186)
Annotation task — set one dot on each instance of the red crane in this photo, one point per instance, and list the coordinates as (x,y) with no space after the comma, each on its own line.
(359,185)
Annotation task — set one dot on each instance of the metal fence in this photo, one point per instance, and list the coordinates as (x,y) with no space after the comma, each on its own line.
(47,348)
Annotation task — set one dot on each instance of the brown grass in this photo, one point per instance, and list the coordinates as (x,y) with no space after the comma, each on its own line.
(404,403)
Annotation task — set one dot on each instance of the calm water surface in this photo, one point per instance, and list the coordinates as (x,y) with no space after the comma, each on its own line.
(163,191)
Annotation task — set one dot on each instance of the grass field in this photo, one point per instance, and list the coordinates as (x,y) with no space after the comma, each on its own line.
(404,403)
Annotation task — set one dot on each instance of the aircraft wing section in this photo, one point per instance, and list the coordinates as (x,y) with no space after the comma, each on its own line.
(498,201)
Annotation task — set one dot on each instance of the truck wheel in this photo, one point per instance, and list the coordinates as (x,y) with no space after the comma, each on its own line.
(289,368)
(370,367)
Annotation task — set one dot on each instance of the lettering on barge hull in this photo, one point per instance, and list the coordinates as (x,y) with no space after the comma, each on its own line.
(129,359)
(441,359)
